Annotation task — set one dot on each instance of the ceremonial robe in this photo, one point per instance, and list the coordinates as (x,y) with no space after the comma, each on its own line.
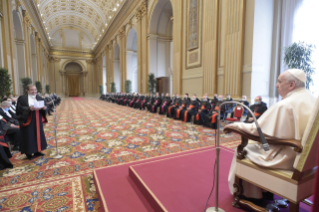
(31,126)
(286,119)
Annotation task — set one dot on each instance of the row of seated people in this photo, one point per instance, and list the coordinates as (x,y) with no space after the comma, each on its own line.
(202,112)
(10,127)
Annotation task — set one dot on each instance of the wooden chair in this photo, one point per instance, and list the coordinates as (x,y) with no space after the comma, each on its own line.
(295,185)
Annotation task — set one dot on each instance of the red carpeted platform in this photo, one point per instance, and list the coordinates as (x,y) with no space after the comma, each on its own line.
(183,183)
(116,190)
(178,182)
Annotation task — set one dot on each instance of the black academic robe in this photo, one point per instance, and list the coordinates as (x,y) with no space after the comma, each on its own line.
(204,110)
(4,149)
(156,104)
(137,104)
(258,110)
(150,103)
(11,119)
(144,102)
(172,109)
(180,109)
(164,105)
(212,117)
(31,126)
(190,111)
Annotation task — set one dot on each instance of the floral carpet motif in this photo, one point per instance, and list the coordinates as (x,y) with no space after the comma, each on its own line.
(93,134)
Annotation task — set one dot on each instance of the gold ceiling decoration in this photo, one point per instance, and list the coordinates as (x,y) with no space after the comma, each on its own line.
(92,16)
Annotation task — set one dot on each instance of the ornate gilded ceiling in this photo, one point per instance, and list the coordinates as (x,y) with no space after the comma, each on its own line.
(92,16)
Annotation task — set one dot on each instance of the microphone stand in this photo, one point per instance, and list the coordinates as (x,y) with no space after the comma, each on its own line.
(57,155)
(262,138)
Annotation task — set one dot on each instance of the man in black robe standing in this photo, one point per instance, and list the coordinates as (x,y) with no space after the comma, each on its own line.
(31,121)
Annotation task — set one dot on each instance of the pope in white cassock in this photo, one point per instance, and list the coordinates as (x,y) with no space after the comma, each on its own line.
(286,119)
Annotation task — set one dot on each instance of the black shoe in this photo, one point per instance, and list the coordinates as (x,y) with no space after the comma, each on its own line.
(268,196)
(39,154)
(16,148)
(30,157)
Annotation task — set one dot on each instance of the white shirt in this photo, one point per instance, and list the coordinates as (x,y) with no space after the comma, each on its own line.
(31,100)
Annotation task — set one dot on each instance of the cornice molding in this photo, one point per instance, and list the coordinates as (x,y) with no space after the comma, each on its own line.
(33,11)
(126,12)
(71,54)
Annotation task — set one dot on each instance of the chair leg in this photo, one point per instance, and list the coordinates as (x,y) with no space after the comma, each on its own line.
(237,195)
(293,207)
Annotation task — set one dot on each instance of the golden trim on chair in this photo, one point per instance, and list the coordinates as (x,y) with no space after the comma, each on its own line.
(306,149)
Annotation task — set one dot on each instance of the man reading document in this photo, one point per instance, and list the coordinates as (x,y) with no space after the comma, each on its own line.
(31,116)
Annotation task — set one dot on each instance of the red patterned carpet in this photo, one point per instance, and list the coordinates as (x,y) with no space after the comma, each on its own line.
(93,134)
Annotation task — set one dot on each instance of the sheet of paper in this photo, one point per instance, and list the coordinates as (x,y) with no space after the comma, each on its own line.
(38,104)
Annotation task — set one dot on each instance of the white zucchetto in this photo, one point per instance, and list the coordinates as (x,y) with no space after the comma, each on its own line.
(299,74)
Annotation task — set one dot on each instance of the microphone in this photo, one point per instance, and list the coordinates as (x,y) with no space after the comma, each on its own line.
(264,143)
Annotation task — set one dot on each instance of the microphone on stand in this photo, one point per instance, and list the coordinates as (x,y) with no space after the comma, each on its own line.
(265,146)
(57,155)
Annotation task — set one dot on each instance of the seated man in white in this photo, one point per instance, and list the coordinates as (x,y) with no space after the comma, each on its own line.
(287,119)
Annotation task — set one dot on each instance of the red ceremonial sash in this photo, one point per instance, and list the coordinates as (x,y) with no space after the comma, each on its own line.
(44,120)
(197,116)
(257,114)
(185,114)
(203,107)
(217,108)
(179,110)
(214,118)
(4,144)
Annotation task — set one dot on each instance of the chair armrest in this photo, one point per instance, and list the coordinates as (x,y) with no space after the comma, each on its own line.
(271,140)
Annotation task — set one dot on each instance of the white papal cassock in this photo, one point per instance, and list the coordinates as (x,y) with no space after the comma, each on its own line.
(286,119)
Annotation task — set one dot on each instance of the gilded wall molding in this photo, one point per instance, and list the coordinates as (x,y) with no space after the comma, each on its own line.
(56,59)
(194,34)
(71,54)
(121,32)
(89,62)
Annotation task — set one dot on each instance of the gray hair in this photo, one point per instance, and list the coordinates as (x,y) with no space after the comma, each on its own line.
(5,104)
(298,83)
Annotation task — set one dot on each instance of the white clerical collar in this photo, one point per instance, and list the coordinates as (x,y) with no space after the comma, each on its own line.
(293,91)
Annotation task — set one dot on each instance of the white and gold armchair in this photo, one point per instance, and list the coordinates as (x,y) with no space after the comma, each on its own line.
(296,185)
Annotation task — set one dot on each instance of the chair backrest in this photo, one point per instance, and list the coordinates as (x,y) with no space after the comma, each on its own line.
(238,111)
(306,160)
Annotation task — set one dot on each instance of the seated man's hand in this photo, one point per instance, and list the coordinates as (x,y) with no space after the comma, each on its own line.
(199,110)
(251,119)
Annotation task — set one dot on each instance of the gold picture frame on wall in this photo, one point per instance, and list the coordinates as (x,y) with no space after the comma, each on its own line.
(193,33)
(192,24)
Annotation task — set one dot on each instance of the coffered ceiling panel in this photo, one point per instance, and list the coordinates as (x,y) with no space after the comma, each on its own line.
(90,15)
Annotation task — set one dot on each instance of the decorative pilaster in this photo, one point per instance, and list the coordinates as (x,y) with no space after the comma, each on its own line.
(90,76)
(143,65)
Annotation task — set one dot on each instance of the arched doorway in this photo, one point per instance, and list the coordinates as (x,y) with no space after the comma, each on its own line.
(34,74)
(20,50)
(73,73)
(161,42)
(131,58)
(117,71)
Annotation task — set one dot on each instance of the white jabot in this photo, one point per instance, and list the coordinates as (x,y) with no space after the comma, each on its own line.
(31,100)
(1,117)
(7,112)
(286,119)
